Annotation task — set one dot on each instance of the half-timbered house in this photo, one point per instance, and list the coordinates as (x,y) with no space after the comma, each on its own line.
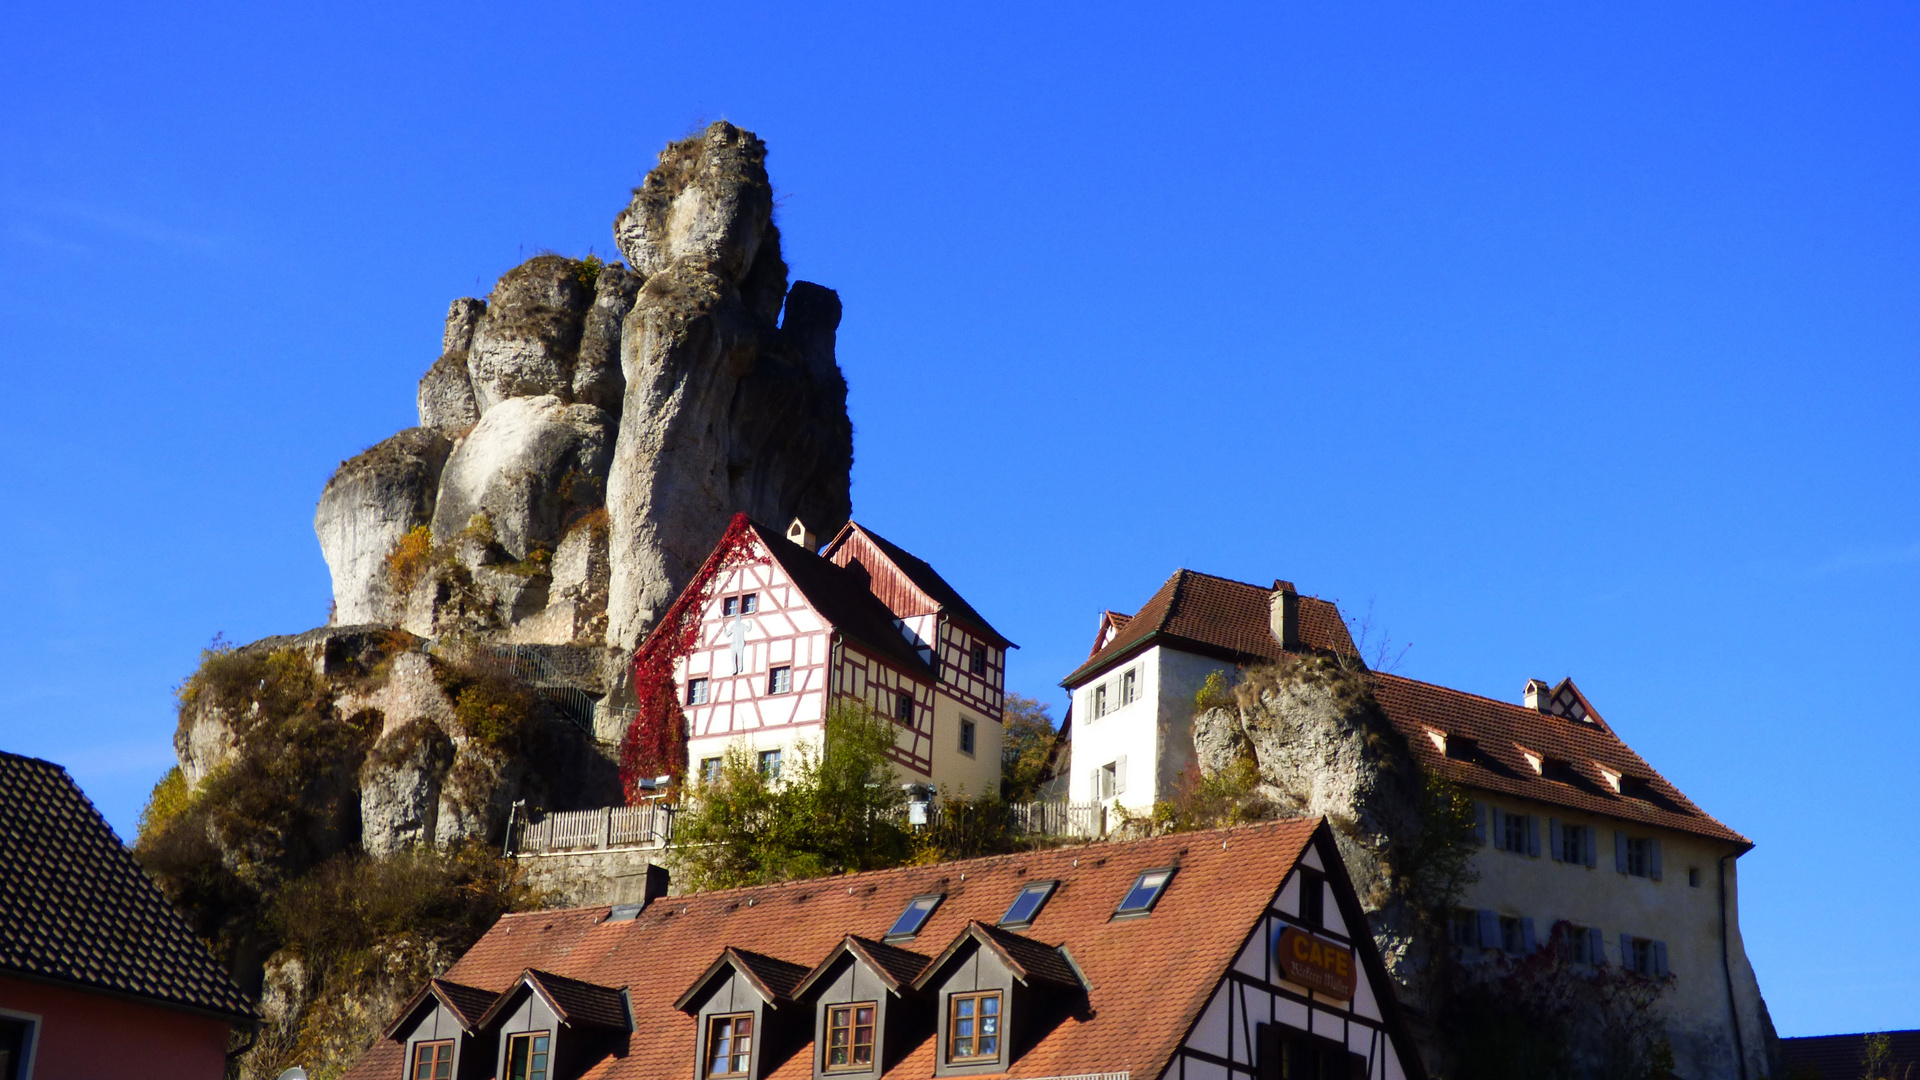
(1576,830)
(787,629)
(1234,954)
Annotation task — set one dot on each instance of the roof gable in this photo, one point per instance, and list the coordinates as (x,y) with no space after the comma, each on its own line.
(904,581)
(842,598)
(466,1004)
(775,980)
(895,967)
(1218,616)
(1030,961)
(78,909)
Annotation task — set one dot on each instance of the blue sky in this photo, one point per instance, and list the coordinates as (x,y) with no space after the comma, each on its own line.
(1567,340)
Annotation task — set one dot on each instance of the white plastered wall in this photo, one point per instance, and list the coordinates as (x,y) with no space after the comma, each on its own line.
(1154,733)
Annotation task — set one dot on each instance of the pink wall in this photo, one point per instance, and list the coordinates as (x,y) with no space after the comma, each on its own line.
(85,1035)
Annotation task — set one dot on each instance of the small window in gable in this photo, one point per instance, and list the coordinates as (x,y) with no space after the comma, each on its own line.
(1145,892)
(979,660)
(729,1045)
(431,1061)
(914,917)
(1027,905)
(730,606)
(749,604)
(1313,900)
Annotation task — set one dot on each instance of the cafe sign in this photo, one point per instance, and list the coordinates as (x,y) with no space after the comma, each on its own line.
(1315,963)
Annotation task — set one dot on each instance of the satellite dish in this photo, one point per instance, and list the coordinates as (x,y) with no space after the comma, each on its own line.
(295,1073)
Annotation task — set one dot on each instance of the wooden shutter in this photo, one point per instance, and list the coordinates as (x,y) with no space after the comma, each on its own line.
(1479,823)
(1597,945)
(1660,959)
(1533,836)
(1653,860)
(1527,943)
(1593,849)
(1498,819)
(1553,838)
(1095,782)
(1619,851)
(1120,775)
(1489,928)
(1626,951)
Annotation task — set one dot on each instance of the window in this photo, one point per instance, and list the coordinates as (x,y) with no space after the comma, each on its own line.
(966,737)
(729,1044)
(1100,701)
(1510,939)
(527,1056)
(1130,687)
(903,707)
(1026,905)
(1583,946)
(770,764)
(1465,927)
(1145,892)
(973,1027)
(1513,833)
(979,659)
(1693,877)
(910,920)
(1639,852)
(1313,900)
(749,604)
(431,1061)
(1110,779)
(1462,747)
(1643,956)
(1573,844)
(710,770)
(16,1044)
(780,680)
(1292,1054)
(696,691)
(850,1036)
(730,607)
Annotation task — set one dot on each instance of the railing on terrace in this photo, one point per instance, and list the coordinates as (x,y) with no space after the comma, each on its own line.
(651,825)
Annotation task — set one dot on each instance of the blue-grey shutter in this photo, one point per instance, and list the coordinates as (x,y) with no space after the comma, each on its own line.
(1497,821)
(1626,951)
(1619,851)
(1527,944)
(1597,945)
(1593,847)
(1660,959)
(1489,928)
(1533,836)
(1479,823)
(1653,861)
(1553,838)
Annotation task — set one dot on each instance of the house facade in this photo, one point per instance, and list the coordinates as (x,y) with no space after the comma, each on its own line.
(99,975)
(1222,955)
(787,630)
(1574,827)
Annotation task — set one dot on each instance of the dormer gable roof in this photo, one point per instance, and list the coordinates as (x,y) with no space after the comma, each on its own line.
(1030,961)
(466,1004)
(915,587)
(573,1001)
(894,966)
(774,979)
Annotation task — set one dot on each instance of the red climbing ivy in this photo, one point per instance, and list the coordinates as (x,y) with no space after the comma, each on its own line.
(656,740)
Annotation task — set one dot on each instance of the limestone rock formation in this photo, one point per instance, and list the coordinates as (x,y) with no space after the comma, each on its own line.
(530,465)
(529,339)
(445,399)
(400,788)
(725,410)
(371,502)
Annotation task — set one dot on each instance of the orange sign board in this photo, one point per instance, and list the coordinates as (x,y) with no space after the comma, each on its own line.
(1315,963)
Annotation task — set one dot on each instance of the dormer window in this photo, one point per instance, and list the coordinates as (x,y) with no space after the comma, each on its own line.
(850,1030)
(527,1055)
(914,917)
(973,1027)
(432,1061)
(729,1045)
(1025,906)
(1144,893)
(1462,747)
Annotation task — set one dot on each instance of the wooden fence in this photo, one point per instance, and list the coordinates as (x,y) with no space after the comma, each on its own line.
(651,825)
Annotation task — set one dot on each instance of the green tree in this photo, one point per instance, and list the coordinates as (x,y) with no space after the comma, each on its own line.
(1026,747)
(836,808)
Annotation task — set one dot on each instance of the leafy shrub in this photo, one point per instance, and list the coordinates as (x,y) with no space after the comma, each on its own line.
(170,797)
(1026,748)
(587,270)
(412,554)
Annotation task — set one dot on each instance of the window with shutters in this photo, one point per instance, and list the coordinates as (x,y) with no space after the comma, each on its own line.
(1513,834)
(1100,701)
(1465,927)
(1510,940)
(1580,945)
(431,1061)
(1639,856)
(1130,686)
(1110,779)
(1573,844)
(1640,956)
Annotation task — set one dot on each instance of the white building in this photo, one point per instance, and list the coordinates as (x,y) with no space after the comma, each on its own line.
(1578,829)
(786,630)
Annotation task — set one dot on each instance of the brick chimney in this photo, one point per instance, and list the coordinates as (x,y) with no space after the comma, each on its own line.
(1283,614)
(1535,695)
(800,534)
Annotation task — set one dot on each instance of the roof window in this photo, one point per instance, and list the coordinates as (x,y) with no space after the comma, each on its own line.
(1462,747)
(1027,905)
(1145,892)
(910,920)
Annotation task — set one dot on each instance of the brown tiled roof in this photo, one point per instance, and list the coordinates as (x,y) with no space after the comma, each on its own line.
(467,1004)
(1218,616)
(581,1002)
(1500,730)
(841,598)
(896,967)
(923,577)
(1843,1057)
(1149,977)
(75,907)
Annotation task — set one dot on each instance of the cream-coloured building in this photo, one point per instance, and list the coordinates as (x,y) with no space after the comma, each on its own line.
(786,630)
(1575,827)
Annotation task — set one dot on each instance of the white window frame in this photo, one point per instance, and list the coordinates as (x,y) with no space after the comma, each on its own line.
(34,1023)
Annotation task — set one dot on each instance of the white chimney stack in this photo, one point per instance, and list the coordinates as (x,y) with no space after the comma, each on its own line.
(1284,614)
(1535,695)
(800,534)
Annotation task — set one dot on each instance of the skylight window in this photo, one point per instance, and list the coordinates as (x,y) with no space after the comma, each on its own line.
(1027,904)
(1145,892)
(910,920)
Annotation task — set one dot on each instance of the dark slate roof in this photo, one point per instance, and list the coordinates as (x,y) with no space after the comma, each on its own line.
(1843,1057)
(896,967)
(929,581)
(582,1002)
(841,598)
(76,908)
(1220,617)
(1031,960)
(467,1004)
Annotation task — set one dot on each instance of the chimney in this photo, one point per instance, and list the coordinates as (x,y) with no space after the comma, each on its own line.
(1283,614)
(1535,695)
(800,534)
(652,889)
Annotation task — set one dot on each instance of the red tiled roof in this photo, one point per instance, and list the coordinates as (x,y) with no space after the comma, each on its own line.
(1843,1057)
(922,577)
(1220,616)
(1500,730)
(1149,978)
(841,598)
